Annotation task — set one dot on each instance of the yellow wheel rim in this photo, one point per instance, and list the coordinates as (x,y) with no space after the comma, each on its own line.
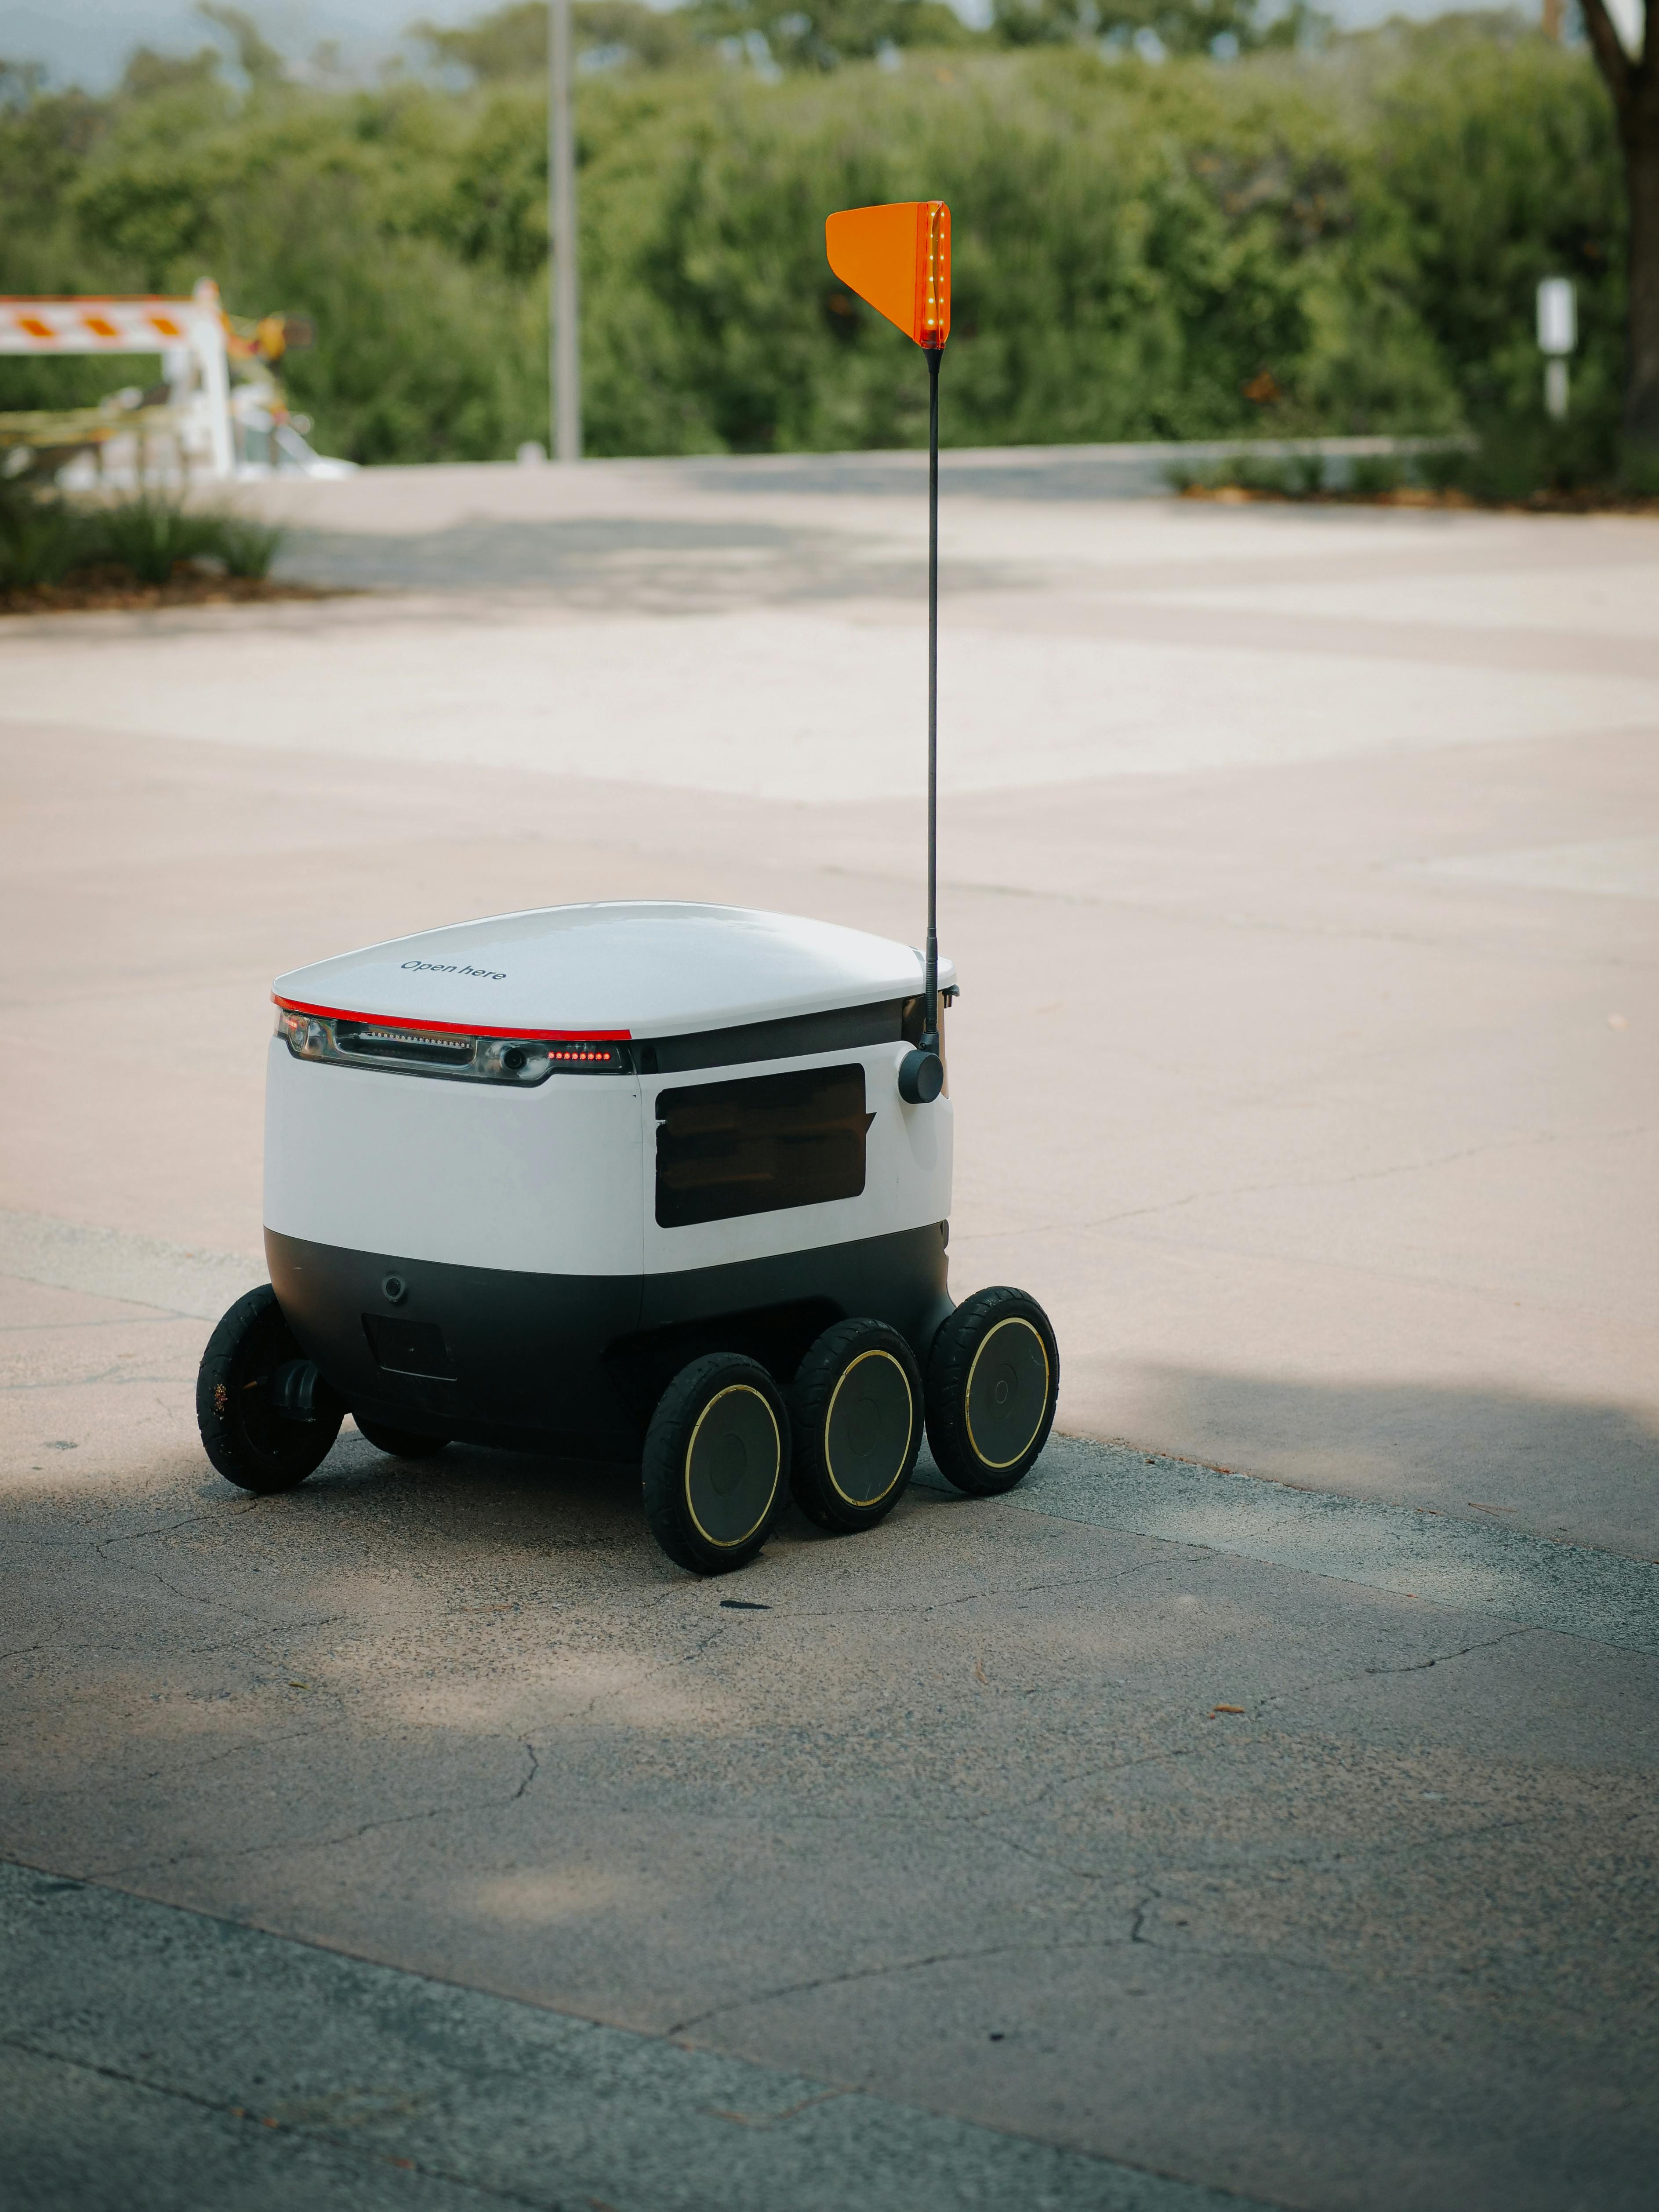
(1007,1393)
(733,1466)
(866,1437)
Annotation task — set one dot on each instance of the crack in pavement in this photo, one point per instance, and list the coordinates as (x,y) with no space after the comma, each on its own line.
(308,1843)
(1410,1666)
(240,2114)
(100,1788)
(231,1509)
(238,1610)
(874,1974)
(1100,1578)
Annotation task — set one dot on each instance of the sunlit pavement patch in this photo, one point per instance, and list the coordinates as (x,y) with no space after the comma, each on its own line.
(113,1263)
(1599,1596)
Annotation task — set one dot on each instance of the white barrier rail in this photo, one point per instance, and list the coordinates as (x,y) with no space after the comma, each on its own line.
(189,335)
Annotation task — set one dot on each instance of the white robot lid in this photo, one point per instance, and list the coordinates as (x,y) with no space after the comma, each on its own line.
(616,968)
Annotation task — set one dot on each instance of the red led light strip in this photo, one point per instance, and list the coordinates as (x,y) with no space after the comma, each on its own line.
(456,1029)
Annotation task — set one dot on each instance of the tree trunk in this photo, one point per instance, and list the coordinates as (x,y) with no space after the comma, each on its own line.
(1641,371)
(1633,82)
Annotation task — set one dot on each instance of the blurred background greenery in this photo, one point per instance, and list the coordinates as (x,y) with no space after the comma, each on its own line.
(1169,223)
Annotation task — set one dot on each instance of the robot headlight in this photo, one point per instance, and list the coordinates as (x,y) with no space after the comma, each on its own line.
(306,1037)
(412,1049)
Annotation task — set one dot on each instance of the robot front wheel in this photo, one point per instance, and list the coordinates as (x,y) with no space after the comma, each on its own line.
(266,1419)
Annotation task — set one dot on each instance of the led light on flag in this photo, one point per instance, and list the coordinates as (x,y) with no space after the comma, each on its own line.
(898,259)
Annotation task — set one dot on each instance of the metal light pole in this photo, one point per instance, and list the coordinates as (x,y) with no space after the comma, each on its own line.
(563,353)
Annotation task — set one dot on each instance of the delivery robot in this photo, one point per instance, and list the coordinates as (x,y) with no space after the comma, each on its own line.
(663,1182)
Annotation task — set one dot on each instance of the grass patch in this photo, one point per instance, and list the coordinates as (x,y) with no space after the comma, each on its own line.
(245,547)
(1541,470)
(39,542)
(149,539)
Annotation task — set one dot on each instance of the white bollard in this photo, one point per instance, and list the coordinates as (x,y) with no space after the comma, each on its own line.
(1557,334)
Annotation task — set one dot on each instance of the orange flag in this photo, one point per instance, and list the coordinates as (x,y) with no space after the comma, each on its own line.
(898,259)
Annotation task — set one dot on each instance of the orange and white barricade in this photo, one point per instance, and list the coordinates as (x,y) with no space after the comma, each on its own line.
(189,334)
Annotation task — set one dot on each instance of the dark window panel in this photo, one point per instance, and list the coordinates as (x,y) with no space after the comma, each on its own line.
(759,1143)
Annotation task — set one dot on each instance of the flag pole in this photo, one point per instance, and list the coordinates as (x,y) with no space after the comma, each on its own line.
(921,1072)
(897,256)
(935,355)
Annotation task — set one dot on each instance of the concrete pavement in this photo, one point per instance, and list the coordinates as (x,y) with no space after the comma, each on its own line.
(1300,872)
(1342,1161)
(1162,1856)
(341,2086)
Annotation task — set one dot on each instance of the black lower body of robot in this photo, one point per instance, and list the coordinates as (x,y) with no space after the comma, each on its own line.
(812,1375)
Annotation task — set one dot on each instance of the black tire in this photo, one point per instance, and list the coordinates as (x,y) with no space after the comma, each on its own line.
(992,1380)
(399,1444)
(715,1456)
(855,1414)
(248,1440)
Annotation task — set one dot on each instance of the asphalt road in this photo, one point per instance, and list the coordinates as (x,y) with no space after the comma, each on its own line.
(1263,1802)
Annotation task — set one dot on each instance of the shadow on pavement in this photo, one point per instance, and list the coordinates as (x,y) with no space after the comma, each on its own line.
(1562,1467)
(1169,1857)
(963,473)
(654,565)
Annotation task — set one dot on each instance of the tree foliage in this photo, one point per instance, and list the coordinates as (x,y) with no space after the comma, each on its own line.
(1290,244)
(510,44)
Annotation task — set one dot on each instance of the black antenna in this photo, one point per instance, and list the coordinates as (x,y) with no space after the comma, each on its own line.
(935,355)
(921,1072)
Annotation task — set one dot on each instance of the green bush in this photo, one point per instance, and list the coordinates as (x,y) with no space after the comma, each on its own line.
(1288,476)
(1280,475)
(1305,475)
(148,536)
(45,539)
(1370,475)
(246,548)
(40,539)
